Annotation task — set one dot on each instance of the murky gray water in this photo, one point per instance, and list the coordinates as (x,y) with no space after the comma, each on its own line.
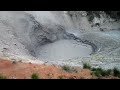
(64,50)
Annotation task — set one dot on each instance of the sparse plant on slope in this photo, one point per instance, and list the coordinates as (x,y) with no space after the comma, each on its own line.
(61,77)
(100,72)
(34,76)
(2,77)
(116,72)
(69,68)
(66,68)
(14,62)
(86,66)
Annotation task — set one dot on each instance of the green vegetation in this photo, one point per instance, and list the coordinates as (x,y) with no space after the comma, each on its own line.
(34,76)
(108,72)
(86,66)
(2,77)
(61,77)
(14,62)
(66,68)
(116,72)
(99,72)
(69,69)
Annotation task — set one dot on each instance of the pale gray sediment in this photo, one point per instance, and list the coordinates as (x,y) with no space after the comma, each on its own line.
(72,36)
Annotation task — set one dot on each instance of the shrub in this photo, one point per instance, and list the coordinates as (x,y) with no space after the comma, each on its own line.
(108,72)
(116,72)
(61,77)
(96,73)
(66,68)
(14,62)
(35,76)
(86,66)
(93,69)
(100,72)
(2,77)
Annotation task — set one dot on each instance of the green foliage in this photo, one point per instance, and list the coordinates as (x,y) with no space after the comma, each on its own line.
(108,72)
(100,72)
(14,62)
(34,76)
(116,72)
(61,77)
(93,69)
(97,73)
(66,68)
(86,66)
(2,77)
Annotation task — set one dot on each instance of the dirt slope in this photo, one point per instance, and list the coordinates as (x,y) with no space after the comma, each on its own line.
(20,70)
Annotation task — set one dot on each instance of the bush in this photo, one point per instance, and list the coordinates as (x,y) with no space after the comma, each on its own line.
(103,72)
(116,72)
(2,77)
(96,73)
(93,69)
(86,66)
(35,76)
(61,77)
(108,72)
(66,68)
(14,62)
(100,72)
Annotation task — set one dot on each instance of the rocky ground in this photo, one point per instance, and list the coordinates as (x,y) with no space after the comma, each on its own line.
(20,70)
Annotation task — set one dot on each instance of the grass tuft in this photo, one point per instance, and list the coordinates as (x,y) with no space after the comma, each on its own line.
(2,77)
(34,76)
(86,66)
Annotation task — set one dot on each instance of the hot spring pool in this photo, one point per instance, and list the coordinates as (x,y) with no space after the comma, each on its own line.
(63,50)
